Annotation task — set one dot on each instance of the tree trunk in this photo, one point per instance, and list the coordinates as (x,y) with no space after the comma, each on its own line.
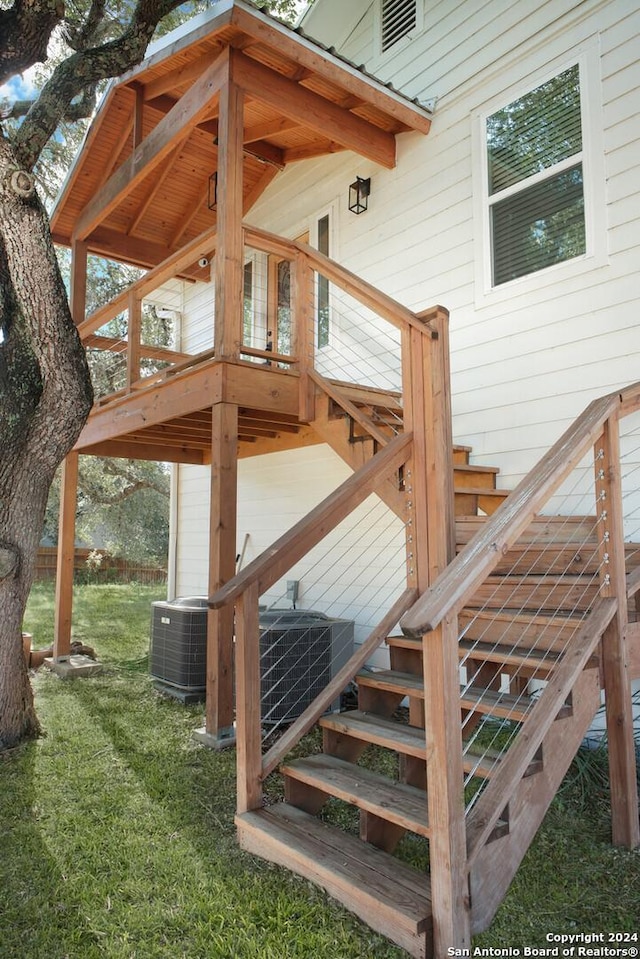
(45,398)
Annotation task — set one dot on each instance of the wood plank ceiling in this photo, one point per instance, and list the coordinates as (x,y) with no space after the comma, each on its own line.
(301,101)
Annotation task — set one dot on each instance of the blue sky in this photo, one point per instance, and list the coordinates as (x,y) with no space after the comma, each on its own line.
(19,87)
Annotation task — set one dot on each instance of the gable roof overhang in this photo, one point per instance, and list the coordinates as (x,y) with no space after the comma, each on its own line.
(138,188)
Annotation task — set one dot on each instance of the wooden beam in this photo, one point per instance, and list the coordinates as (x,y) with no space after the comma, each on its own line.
(311,58)
(222,567)
(229,261)
(319,148)
(315,112)
(181,76)
(269,128)
(265,153)
(154,452)
(66,552)
(189,110)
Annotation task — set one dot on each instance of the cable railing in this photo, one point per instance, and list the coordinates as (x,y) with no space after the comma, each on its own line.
(270,689)
(535,593)
(347,584)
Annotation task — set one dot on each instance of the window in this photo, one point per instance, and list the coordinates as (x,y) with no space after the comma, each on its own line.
(398,18)
(535,179)
(322,302)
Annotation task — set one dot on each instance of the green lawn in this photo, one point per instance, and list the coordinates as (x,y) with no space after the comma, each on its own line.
(118,838)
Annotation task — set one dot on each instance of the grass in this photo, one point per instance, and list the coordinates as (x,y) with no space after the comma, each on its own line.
(118,838)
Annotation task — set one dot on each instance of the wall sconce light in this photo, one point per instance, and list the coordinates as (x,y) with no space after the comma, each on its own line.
(212,196)
(359,192)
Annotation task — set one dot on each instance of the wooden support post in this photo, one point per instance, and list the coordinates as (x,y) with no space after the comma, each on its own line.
(66,553)
(249,764)
(617,681)
(222,553)
(302,334)
(133,339)
(430,494)
(229,259)
(78,292)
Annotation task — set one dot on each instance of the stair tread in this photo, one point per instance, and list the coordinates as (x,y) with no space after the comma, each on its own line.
(479,699)
(480,490)
(493,702)
(507,656)
(470,468)
(399,737)
(397,802)
(355,872)
(392,680)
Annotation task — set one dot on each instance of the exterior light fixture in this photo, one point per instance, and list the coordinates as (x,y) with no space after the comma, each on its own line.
(212,196)
(359,194)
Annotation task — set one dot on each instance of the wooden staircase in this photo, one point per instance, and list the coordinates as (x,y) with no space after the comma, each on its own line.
(375,758)
(355,421)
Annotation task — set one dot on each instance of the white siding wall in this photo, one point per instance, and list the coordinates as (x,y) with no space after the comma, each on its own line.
(527,357)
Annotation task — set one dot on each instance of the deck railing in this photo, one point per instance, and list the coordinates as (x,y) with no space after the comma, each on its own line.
(542,592)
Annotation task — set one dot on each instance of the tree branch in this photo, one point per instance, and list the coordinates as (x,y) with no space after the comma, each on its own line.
(83,69)
(25,30)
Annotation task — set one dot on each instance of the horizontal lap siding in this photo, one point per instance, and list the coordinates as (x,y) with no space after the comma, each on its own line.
(525,362)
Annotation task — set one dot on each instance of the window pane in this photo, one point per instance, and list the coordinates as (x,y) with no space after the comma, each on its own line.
(539,226)
(535,132)
(247,332)
(323,285)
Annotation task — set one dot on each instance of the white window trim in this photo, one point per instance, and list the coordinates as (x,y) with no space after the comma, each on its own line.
(331,210)
(380,55)
(587,56)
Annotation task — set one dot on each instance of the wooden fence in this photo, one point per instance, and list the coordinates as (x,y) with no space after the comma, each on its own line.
(97,566)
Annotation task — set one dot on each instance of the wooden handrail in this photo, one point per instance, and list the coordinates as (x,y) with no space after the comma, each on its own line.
(274,562)
(342,678)
(452,589)
(110,344)
(174,264)
(397,314)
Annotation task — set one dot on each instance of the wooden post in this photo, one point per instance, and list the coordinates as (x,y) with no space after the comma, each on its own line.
(133,338)
(222,553)
(433,539)
(302,334)
(249,764)
(617,682)
(229,259)
(66,553)
(78,292)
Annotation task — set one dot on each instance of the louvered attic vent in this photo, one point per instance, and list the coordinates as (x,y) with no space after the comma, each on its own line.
(399,17)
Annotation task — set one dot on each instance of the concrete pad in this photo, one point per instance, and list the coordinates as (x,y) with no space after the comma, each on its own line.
(224,739)
(71,667)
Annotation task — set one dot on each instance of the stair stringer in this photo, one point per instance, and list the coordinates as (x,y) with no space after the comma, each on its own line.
(334,432)
(496,864)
